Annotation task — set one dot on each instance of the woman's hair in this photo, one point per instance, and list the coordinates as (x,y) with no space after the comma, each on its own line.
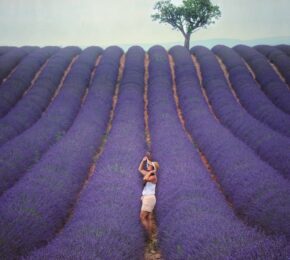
(156,164)
(149,156)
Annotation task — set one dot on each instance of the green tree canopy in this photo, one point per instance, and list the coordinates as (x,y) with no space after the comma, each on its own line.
(187,18)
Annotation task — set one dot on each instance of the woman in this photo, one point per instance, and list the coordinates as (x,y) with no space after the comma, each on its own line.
(148,194)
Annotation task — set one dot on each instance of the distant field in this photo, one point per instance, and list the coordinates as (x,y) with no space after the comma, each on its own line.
(75,124)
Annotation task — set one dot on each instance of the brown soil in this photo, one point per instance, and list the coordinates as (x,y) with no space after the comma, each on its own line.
(279,74)
(146,76)
(91,78)
(277,71)
(36,76)
(197,67)
(251,71)
(64,76)
(226,73)
(9,75)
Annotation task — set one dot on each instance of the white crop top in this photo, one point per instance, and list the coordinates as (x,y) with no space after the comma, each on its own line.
(149,188)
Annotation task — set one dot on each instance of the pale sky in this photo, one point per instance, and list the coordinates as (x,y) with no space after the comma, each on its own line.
(117,22)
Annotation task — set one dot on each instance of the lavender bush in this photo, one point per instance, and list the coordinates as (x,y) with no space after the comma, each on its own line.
(5,49)
(194,220)
(30,107)
(278,57)
(271,146)
(11,58)
(37,206)
(13,88)
(258,193)
(270,83)
(284,47)
(15,158)
(253,99)
(105,223)
(51,214)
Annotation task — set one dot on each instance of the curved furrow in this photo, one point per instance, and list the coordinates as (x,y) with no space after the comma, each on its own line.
(280,59)
(276,70)
(64,76)
(11,58)
(105,223)
(271,146)
(14,69)
(29,109)
(253,99)
(36,76)
(194,220)
(15,159)
(270,82)
(258,193)
(145,97)
(20,80)
(284,47)
(38,204)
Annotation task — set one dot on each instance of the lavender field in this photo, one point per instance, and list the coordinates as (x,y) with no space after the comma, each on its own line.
(75,124)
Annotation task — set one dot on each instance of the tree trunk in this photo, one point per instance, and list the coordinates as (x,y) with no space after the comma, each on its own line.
(187,41)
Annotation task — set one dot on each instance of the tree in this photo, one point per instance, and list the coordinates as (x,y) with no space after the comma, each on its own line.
(188,18)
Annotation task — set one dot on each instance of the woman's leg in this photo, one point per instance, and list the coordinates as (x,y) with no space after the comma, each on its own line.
(150,224)
(144,216)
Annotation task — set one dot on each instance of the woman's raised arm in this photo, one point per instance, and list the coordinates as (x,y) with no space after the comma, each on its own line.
(140,169)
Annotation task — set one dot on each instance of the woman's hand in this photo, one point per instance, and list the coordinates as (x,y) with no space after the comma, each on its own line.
(146,177)
(150,178)
(140,168)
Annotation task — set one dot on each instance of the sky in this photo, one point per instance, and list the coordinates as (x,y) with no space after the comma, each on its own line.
(128,22)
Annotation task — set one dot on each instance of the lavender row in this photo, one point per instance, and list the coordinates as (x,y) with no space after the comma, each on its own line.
(5,49)
(271,146)
(194,220)
(278,57)
(253,99)
(28,110)
(105,223)
(15,158)
(40,202)
(10,59)
(284,47)
(270,83)
(13,88)
(258,193)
